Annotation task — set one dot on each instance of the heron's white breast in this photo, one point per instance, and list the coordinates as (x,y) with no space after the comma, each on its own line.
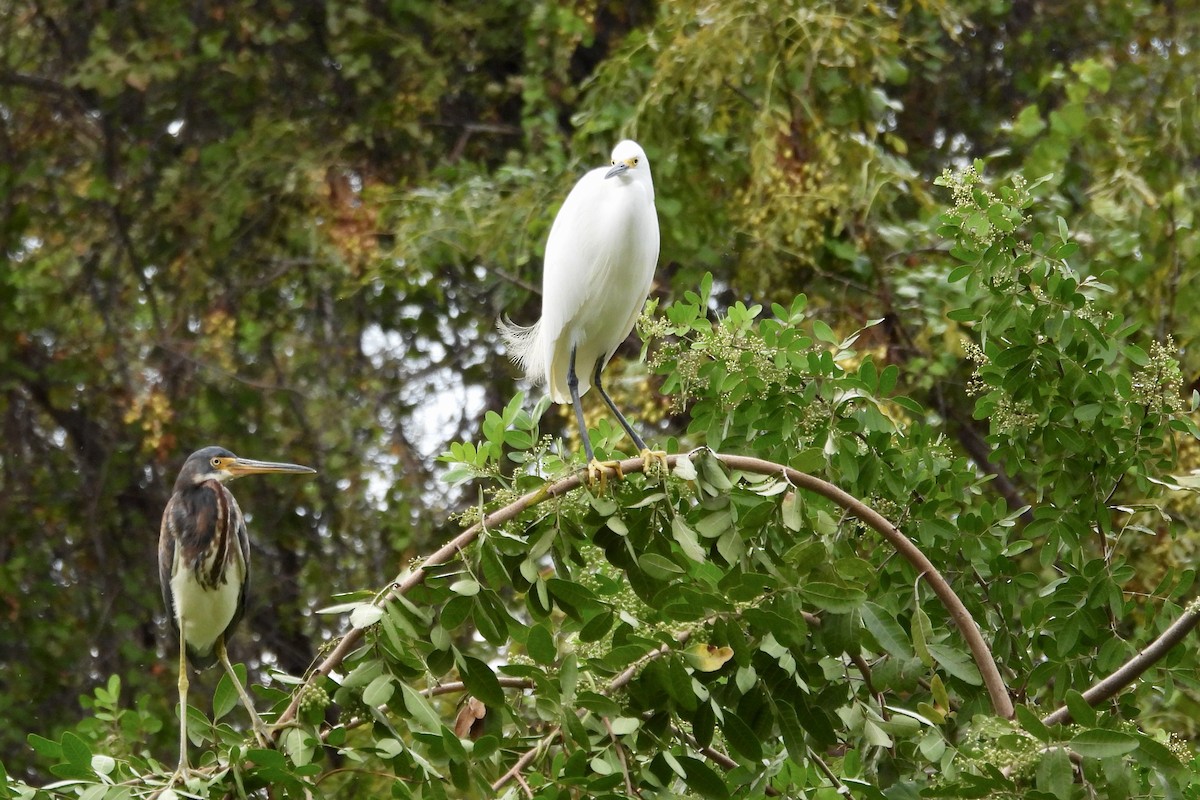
(203,614)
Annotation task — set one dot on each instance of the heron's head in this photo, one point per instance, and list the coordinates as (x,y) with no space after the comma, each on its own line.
(218,464)
(628,157)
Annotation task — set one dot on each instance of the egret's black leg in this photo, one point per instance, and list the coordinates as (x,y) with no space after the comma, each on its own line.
(573,386)
(637,440)
(650,458)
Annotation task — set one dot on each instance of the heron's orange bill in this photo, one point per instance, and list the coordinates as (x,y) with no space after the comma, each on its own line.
(248,466)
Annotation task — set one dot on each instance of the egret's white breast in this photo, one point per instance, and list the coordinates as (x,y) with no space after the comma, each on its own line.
(600,261)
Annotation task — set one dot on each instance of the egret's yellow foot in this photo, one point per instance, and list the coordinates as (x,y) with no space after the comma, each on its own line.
(654,463)
(597,473)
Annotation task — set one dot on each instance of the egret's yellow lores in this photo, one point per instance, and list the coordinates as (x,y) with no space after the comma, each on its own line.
(599,264)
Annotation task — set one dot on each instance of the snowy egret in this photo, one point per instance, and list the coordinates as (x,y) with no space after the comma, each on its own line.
(599,264)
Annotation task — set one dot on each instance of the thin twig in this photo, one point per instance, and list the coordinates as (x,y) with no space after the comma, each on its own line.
(515,770)
(612,736)
(458,686)
(714,755)
(841,788)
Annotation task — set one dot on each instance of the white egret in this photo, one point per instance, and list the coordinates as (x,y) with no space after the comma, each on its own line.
(599,264)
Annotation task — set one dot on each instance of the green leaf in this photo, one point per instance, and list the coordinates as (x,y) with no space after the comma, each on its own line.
(1055,773)
(298,745)
(623,726)
(886,630)
(1102,743)
(791,508)
(868,373)
(1156,752)
(960,272)
(596,627)
(1032,724)
(702,779)
(421,711)
(76,752)
(831,597)
(962,315)
(1081,711)
(579,598)
(540,645)
(679,684)
(1029,122)
(225,698)
(823,332)
(466,587)
(790,730)
(956,664)
(714,473)
(875,735)
(379,691)
(47,748)
(1094,74)
(687,539)
(715,524)
(922,632)
(482,682)
(659,567)
(491,620)
(938,689)
(741,738)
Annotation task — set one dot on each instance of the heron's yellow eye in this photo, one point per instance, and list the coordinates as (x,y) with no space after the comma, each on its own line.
(216,462)
(635,161)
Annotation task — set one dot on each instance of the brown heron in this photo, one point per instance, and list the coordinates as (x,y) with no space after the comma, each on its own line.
(204,566)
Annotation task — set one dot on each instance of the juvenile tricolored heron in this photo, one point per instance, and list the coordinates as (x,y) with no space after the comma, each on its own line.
(204,566)
(599,265)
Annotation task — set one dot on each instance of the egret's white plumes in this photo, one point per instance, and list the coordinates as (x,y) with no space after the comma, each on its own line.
(600,261)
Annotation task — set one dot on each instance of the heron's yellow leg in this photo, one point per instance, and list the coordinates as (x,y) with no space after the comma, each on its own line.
(181,772)
(261,732)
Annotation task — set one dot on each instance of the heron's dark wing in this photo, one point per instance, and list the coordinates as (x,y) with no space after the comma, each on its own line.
(166,558)
(243,544)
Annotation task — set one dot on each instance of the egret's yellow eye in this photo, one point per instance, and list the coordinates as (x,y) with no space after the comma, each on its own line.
(635,161)
(216,462)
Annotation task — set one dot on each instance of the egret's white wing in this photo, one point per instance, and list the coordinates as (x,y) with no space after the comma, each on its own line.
(599,264)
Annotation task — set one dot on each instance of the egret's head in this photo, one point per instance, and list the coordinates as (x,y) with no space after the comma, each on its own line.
(218,464)
(628,157)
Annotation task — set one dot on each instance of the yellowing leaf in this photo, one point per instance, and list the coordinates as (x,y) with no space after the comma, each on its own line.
(707,657)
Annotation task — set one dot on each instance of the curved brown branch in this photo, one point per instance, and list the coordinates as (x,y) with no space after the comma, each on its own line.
(997,691)
(1132,669)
